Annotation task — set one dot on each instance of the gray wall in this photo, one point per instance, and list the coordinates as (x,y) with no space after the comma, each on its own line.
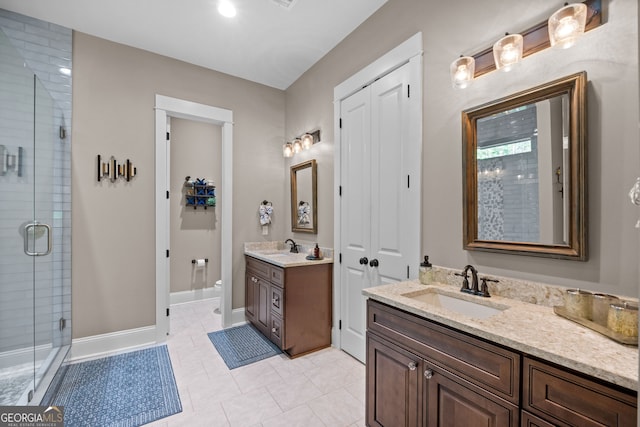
(609,54)
(113,224)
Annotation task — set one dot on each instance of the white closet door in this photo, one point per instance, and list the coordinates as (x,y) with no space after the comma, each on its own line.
(355,218)
(376,222)
(392,230)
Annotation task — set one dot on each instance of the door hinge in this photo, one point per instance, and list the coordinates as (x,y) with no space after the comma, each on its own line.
(340,258)
(407,271)
(167,253)
(340,190)
(408,181)
(340,123)
(408,91)
(167,194)
(167,136)
(62,323)
(340,324)
(167,312)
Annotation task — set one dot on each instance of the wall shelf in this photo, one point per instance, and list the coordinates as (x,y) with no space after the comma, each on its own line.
(200,193)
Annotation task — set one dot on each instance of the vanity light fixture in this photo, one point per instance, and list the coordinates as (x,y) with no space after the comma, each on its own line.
(567,24)
(507,52)
(303,142)
(561,29)
(462,71)
(287,149)
(297,146)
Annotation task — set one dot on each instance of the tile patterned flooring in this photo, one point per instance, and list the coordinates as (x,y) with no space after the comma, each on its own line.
(325,388)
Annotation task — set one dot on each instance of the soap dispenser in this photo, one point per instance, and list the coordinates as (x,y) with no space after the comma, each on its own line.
(426,271)
(316,252)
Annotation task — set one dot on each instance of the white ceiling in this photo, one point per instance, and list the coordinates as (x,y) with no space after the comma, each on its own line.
(264,42)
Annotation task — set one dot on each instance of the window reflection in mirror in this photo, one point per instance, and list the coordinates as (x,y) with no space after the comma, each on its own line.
(304,198)
(524,172)
(521,155)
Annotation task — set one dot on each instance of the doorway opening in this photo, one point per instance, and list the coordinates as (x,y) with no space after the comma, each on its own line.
(167,107)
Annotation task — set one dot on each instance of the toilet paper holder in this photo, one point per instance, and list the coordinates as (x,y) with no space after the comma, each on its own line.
(194,261)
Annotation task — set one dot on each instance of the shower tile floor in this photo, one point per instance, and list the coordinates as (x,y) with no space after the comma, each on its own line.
(14,380)
(325,388)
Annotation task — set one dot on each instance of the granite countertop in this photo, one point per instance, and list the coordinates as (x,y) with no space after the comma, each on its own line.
(277,253)
(529,328)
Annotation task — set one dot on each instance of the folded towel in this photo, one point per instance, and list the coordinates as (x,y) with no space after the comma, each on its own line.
(265,212)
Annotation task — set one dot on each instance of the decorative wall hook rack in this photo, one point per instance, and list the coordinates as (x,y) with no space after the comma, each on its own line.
(114,170)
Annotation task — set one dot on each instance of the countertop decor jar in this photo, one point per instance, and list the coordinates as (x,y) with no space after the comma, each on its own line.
(623,319)
(578,303)
(600,307)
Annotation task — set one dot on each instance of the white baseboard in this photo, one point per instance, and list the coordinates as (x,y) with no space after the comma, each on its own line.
(114,342)
(193,295)
(237,317)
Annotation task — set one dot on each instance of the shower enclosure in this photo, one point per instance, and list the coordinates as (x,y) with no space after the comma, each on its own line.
(35,278)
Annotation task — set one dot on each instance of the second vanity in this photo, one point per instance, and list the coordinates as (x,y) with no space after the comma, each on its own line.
(436,357)
(288,297)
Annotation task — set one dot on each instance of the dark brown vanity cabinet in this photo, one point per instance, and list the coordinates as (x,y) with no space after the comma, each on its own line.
(566,399)
(291,306)
(420,373)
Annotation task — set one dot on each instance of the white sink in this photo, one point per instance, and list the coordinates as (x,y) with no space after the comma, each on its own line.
(475,310)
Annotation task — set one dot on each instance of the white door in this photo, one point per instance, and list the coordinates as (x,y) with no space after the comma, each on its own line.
(380,236)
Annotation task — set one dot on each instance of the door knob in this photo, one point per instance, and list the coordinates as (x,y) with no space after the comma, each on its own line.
(364,260)
(374,263)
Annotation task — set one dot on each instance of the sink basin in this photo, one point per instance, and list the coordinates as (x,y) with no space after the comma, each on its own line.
(468,308)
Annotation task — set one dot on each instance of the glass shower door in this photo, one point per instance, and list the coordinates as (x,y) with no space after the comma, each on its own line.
(29,335)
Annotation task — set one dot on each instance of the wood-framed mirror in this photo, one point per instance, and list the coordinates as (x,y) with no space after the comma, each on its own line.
(524,172)
(304,198)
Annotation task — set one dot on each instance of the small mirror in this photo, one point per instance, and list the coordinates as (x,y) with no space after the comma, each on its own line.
(304,199)
(524,172)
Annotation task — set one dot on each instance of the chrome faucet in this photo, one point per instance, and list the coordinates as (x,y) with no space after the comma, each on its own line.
(294,246)
(465,281)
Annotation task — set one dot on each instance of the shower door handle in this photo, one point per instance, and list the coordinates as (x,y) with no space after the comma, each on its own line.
(33,227)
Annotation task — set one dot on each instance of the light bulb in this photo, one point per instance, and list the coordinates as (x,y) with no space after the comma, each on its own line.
(297,145)
(287,150)
(226,9)
(462,71)
(307,141)
(567,24)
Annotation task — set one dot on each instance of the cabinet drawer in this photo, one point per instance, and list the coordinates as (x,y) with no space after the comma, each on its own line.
(276,275)
(566,399)
(277,302)
(488,366)
(530,420)
(257,267)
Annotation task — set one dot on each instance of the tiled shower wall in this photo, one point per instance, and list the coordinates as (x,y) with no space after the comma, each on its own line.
(45,49)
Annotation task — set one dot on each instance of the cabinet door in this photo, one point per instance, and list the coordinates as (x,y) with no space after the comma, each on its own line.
(393,385)
(453,402)
(263,306)
(250,296)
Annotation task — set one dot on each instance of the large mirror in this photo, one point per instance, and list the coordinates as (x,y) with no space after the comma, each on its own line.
(524,178)
(304,199)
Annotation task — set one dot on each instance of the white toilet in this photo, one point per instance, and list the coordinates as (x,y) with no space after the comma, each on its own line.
(218,292)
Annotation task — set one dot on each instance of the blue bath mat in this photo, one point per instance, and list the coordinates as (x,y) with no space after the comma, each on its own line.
(242,345)
(126,390)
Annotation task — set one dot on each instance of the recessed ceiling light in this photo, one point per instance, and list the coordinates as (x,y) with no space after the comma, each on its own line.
(225,8)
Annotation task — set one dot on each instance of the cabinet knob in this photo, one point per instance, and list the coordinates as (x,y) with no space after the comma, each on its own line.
(274,301)
(374,263)
(364,260)
(412,366)
(428,374)
(254,280)
(274,330)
